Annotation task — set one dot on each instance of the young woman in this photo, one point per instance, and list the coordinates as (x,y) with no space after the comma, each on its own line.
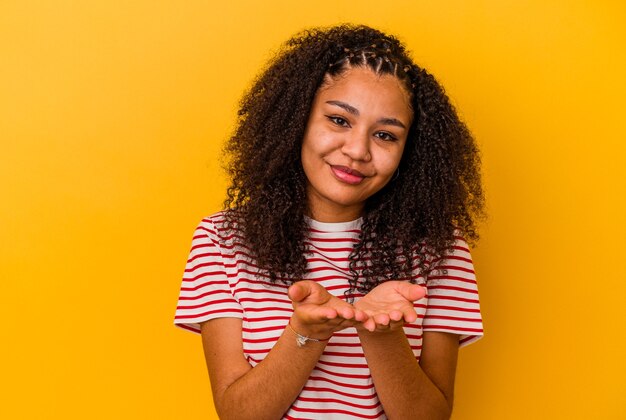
(337,282)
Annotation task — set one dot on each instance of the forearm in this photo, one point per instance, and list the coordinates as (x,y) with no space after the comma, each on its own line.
(268,390)
(404,389)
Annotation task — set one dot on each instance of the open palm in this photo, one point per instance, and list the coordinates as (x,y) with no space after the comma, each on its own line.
(319,313)
(389,305)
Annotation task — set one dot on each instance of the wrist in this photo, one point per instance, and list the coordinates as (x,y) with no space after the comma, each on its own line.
(301,327)
(313,331)
(302,340)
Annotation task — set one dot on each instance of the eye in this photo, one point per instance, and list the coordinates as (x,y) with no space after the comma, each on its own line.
(383,135)
(338,121)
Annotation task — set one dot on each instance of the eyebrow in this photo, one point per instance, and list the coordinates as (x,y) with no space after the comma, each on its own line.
(352,110)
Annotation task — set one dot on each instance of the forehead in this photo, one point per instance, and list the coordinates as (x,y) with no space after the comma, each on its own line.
(361,86)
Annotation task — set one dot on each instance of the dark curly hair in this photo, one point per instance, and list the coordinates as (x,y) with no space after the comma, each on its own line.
(409,223)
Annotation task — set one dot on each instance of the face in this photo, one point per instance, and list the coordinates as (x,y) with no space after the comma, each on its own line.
(353,141)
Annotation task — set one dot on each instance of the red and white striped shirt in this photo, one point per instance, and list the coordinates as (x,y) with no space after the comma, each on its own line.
(221,280)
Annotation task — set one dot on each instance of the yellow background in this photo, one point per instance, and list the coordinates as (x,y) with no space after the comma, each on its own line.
(112,114)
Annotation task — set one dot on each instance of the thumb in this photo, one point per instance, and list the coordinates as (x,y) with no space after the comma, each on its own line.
(411,292)
(299,291)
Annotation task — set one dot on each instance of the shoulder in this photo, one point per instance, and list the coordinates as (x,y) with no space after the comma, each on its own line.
(215,220)
(224,231)
(456,245)
(220,227)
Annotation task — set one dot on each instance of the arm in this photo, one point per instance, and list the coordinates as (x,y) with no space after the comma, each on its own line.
(405,388)
(265,391)
(268,390)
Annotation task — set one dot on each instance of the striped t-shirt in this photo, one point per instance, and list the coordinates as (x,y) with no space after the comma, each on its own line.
(221,280)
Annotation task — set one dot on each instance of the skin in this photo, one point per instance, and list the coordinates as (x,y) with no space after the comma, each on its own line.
(405,388)
(287,367)
(358,122)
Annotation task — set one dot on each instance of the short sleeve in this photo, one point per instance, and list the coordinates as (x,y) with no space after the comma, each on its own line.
(453,303)
(205,292)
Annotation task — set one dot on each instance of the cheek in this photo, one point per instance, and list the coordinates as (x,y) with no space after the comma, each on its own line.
(318,145)
(310,159)
(389,161)
(308,154)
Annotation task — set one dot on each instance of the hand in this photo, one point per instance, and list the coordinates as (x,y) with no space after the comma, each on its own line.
(389,305)
(317,313)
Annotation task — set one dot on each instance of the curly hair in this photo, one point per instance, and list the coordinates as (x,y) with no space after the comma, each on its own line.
(410,223)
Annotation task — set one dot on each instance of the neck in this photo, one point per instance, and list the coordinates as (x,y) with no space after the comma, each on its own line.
(335,215)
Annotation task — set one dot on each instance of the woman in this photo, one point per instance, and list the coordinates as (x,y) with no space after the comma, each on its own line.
(336,283)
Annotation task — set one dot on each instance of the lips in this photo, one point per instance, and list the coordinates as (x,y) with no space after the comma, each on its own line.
(347,175)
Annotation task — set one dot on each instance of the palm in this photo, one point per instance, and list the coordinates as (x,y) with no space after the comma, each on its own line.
(389,303)
(319,312)
(319,302)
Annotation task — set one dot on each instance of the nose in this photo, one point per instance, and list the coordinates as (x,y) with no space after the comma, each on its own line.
(356,145)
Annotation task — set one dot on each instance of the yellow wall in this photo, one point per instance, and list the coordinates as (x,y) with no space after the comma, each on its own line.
(111,119)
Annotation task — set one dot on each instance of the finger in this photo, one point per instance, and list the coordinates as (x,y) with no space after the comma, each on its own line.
(395,315)
(370,325)
(299,291)
(383,327)
(360,316)
(381,319)
(410,292)
(409,314)
(314,314)
(345,312)
(326,313)
(341,323)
